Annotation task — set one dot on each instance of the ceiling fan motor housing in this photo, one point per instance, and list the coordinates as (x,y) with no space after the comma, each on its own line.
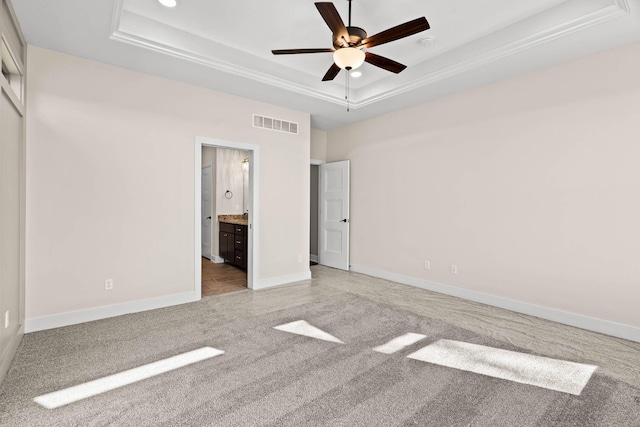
(356,35)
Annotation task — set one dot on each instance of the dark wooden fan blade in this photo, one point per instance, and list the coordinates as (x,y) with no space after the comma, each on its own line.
(332,73)
(398,32)
(332,18)
(385,63)
(295,51)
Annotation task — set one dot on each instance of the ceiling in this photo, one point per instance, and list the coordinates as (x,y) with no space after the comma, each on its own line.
(226,46)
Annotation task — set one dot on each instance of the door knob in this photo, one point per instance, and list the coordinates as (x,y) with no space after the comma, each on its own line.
(345,220)
(208,217)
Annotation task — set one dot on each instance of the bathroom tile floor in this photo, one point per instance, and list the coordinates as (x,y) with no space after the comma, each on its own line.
(221,278)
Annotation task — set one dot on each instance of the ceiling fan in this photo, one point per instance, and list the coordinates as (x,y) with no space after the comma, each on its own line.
(349,41)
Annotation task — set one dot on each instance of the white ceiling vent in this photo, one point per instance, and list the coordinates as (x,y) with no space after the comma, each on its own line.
(274,124)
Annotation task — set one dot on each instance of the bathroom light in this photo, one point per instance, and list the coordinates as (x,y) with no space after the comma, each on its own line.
(348,58)
(168,3)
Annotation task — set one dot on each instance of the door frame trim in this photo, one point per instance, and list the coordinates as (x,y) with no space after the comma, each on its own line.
(252,229)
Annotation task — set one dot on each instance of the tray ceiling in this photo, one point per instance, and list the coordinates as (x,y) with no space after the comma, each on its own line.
(227,45)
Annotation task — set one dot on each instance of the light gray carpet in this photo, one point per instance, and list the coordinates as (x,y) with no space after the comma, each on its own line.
(271,377)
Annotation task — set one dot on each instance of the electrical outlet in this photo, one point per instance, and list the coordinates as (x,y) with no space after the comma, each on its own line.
(108,284)
(6,319)
(454,269)
(299,258)
(427,265)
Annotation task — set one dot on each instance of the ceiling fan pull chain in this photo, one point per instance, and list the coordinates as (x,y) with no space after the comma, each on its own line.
(347,86)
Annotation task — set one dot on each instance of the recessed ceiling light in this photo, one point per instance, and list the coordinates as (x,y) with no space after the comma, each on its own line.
(426,41)
(356,74)
(168,3)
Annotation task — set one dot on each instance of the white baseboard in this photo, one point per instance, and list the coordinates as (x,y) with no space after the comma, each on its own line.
(10,351)
(213,258)
(313,258)
(282,280)
(607,327)
(97,313)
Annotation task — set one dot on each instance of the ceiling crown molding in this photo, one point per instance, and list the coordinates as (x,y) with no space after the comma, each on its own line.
(614,9)
(121,35)
(604,11)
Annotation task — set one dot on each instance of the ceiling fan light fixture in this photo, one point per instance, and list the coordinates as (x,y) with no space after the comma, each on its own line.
(348,58)
(168,3)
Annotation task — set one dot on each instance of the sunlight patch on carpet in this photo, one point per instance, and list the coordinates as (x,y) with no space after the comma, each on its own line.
(112,382)
(399,343)
(552,374)
(302,327)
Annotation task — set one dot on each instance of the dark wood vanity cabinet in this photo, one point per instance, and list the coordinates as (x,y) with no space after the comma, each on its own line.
(233,244)
(226,245)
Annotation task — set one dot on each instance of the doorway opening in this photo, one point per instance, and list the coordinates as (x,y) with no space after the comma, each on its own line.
(225,215)
(226,211)
(314,232)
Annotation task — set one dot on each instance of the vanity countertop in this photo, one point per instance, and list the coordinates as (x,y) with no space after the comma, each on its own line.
(234,219)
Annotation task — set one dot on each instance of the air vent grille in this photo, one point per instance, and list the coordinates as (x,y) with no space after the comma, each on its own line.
(274,124)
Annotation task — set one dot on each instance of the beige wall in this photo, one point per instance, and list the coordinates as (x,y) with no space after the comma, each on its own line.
(530,186)
(230,178)
(111,183)
(318,144)
(12,189)
(11,212)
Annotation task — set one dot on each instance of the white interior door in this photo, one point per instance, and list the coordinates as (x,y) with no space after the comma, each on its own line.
(206,211)
(334,214)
